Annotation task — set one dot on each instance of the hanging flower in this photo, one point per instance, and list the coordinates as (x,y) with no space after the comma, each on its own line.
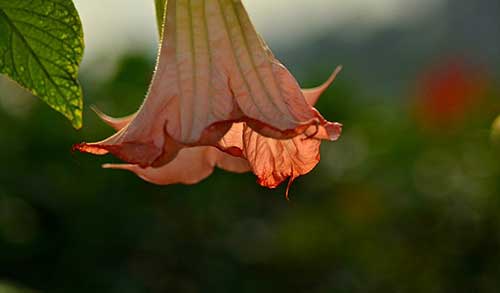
(218,98)
(272,160)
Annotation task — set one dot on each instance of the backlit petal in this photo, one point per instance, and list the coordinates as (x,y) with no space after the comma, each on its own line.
(213,69)
(274,161)
(116,123)
(190,166)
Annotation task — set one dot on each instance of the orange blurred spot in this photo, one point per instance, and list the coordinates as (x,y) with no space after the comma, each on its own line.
(448,92)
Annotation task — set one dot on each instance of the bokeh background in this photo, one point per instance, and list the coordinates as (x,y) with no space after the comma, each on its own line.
(408,200)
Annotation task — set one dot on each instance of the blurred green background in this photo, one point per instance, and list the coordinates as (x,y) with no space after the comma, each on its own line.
(408,200)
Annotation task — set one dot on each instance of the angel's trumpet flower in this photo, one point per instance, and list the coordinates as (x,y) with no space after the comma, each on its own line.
(272,160)
(217,84)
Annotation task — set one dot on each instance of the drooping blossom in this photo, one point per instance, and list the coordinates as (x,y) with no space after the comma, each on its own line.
(272,160)
(218,97)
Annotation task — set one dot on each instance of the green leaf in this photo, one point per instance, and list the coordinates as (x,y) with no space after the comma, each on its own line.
(160,13)
(41,47)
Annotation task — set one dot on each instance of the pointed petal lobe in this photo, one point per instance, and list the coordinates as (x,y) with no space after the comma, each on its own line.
(116,123)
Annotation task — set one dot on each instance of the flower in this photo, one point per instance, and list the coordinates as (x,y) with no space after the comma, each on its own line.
(272,160)
(218,97)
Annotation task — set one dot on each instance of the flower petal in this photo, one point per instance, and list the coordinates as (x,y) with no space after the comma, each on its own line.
(190,166)
(266,92)
(213,70)
(312,95)
(232,142)
(116,123)
(272,160)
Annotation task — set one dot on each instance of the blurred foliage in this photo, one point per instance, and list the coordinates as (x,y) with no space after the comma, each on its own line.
(392,207)
(8,288)
(495,131)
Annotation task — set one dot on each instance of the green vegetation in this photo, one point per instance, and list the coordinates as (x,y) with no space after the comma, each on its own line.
(390,208)
(406,201)
(41,46)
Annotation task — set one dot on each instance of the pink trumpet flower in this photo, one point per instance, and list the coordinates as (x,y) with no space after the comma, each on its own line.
(218,97)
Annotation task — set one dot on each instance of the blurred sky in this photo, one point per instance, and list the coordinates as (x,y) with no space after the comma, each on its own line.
(117,25)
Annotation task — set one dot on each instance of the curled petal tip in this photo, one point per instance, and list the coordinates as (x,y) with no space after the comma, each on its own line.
(104,117)
(96,110)
(288,186)
(312,95)
(88,148)
(334,130)
(330,131)
(116,123)
(117,166)
(334,74)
